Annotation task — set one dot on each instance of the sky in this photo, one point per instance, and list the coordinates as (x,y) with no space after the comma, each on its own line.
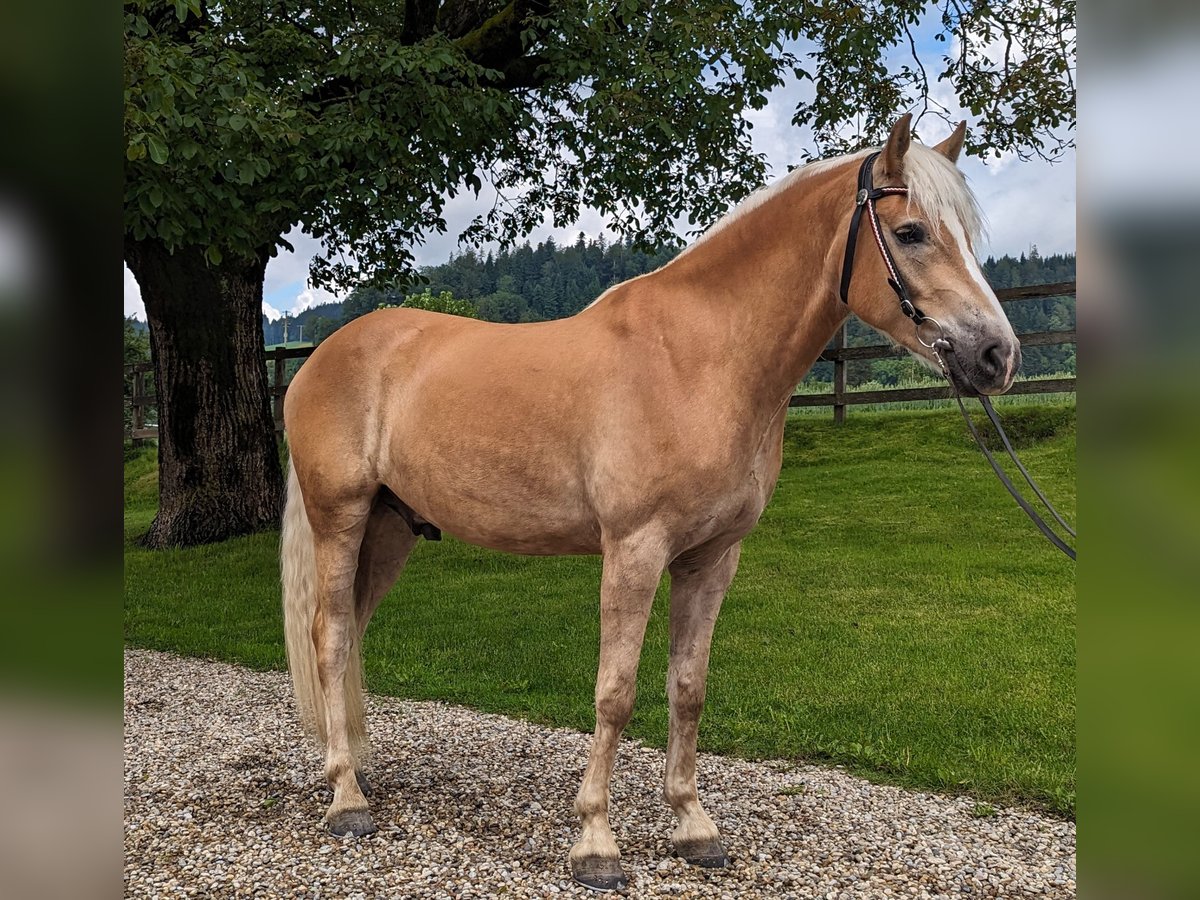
(1026,203)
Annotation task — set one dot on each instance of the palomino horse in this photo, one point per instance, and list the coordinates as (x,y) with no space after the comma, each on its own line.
(648,428)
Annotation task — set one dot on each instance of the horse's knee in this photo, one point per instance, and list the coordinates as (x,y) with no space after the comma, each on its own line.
(686,694)
(614,706)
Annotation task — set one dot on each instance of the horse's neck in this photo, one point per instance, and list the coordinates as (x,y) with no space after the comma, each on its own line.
(757,300)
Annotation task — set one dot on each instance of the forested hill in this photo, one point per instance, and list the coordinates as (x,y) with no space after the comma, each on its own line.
(525,284)
(547,281)
(542,282)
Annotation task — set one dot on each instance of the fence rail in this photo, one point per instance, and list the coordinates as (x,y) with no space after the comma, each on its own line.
(142,397)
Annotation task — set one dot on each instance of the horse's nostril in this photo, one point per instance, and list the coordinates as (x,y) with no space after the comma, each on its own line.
(992,359)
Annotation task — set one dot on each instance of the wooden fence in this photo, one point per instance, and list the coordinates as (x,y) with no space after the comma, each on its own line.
(142,396)
(839,354)
(139,381)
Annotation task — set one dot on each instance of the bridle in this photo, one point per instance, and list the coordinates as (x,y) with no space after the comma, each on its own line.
(864,202)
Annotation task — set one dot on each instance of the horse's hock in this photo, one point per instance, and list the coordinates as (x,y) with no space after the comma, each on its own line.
(221,800)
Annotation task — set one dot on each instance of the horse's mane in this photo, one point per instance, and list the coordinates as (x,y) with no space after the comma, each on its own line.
(935,185)
(939,189)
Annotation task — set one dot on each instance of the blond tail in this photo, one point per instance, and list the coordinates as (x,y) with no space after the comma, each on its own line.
(299,575)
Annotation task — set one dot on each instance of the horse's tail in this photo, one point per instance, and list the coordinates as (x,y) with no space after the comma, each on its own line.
(299,574)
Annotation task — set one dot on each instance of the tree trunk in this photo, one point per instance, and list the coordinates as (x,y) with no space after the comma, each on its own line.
(218,461)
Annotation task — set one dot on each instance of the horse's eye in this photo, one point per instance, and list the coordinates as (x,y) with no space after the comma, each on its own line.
(910,234)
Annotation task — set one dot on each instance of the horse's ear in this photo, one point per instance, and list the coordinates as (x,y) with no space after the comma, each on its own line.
(897,146)
(952,146)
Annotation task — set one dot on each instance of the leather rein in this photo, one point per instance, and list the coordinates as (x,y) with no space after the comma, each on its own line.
(864,203)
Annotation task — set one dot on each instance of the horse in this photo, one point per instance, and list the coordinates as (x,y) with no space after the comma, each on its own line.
(648,428)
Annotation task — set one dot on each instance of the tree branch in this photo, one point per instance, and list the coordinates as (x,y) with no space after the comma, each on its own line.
(494,43)
(420,20)
(497,44)
(497,41)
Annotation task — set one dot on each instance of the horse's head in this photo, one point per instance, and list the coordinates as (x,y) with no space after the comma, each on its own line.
(931,233)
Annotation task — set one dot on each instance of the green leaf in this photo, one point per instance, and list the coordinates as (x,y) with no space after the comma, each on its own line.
(158,149)
(213,255)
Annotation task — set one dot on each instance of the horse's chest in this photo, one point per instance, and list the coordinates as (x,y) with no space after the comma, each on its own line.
(731,501)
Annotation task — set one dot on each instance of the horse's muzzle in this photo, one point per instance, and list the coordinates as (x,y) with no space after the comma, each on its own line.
(995,366)
(986,366)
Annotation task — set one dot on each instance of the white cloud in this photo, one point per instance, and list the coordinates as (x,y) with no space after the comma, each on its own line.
(289,269)
(271,312)
(133,297)
(286,286)
(310,297)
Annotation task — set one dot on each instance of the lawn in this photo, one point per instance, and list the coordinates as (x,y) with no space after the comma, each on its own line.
(894,613)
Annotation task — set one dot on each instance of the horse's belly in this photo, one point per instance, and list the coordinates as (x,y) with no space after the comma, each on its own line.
(529,514)
(531,538)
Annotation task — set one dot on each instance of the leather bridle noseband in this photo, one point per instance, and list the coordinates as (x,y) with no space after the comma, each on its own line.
(864,201)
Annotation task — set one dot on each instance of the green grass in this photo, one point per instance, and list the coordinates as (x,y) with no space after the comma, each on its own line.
(894,613)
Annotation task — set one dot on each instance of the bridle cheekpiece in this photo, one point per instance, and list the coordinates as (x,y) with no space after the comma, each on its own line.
(864,201)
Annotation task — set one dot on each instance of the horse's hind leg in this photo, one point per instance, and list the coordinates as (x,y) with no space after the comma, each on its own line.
(386,546)
(338,533)
(697,587)
(632,571)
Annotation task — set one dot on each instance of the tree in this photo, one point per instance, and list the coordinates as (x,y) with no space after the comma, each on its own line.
(503,306)
(358,120)
(137,343)
(445,302)
(321,327)
(367,299)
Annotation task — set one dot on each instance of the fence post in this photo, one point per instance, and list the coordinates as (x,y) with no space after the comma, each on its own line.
(276,392)
(138,420)
(839,377)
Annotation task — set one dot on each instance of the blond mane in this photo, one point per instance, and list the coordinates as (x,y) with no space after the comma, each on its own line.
(935,186)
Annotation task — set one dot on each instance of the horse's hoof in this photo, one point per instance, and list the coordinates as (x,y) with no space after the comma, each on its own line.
(363,784)
(355,822)
(599,874)
(706,854)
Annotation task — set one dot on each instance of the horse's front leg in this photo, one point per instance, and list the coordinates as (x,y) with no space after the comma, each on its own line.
(697,587)
(632,570)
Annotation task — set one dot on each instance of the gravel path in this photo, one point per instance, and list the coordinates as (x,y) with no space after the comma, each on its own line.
(223,798)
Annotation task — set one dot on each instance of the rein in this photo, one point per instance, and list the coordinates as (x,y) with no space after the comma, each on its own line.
(864,201)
